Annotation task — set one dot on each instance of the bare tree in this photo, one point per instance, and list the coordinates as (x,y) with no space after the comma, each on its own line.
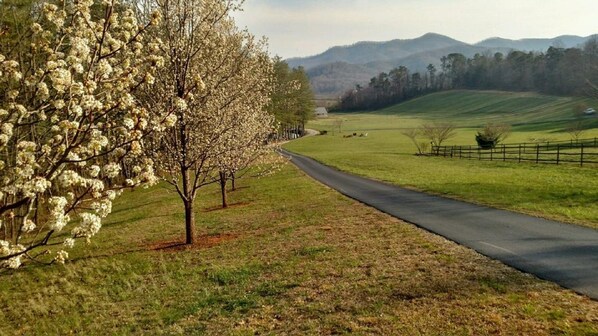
(413,134)
(576,129)
(337,125)
(438,133)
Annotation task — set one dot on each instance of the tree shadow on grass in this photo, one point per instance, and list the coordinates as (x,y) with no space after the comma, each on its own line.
(204,241)
(132,205)
(133,219)
(232,205)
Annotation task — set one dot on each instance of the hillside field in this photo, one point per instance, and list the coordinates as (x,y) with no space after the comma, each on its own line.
(567,193)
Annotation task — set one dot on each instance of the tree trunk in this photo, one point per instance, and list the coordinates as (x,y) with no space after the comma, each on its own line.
(189,223)
(188,198)
(232,179)
(223,189)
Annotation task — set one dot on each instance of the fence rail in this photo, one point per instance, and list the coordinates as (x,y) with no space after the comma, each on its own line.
(582,152)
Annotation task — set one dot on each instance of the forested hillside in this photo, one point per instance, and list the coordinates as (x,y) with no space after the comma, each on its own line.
(341,68)
(558,71)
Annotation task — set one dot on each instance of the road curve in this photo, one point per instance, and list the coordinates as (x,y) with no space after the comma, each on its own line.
(563,253)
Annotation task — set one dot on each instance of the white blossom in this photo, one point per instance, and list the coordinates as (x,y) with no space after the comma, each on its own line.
(91,224)
(66,99)
(94,170)
(58,219)
(129,123)
(28,226)
(69,243)
(111,170)
(61,256)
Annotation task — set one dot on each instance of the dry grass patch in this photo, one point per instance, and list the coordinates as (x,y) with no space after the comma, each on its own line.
(302,260)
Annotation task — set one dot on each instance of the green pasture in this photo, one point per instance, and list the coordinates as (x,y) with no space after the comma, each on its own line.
(565,192)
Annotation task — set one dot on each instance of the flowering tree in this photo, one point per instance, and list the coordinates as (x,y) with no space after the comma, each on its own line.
(246,146)
(71,131)
(217,80)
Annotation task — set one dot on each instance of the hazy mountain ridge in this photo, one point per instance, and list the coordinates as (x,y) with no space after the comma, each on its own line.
(342,67)
(536,44)
(365,52)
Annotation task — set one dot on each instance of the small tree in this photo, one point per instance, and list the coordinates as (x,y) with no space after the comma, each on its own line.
(216,79)
(337,125)
(576,129)
(413,134)
(438,133)
(492,134)
(246,145)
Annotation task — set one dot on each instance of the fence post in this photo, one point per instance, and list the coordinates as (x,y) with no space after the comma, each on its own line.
(558,154)
(491,154)
(504,153)
(537,153)
(519,157)
(581,156)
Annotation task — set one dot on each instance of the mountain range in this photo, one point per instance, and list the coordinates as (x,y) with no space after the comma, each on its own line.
(340,68)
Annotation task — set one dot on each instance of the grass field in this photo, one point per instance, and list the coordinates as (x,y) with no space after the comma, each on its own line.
(289,257)
(525,111)
(568,193)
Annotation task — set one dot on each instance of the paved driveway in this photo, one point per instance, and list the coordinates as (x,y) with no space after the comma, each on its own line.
(562,253)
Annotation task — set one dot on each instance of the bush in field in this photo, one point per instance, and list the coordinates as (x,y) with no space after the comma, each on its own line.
(492,134)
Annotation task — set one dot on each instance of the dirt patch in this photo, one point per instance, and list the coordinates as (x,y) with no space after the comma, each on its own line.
(201,242)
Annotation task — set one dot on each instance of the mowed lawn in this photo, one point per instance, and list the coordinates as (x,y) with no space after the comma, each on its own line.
(289,257)
(565,192)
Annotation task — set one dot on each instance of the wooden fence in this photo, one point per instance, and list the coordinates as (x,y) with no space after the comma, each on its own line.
(581,152)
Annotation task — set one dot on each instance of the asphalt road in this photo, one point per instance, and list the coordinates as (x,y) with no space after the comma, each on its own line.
(563,253)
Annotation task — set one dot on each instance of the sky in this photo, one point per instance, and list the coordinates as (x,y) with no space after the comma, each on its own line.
(298,28)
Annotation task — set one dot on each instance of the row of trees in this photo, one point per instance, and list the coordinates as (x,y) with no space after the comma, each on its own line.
(292,98)
(100,96)
(557,71)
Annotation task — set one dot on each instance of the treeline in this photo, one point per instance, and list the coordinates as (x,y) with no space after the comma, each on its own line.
(390,88)
(292,99)
(557,71)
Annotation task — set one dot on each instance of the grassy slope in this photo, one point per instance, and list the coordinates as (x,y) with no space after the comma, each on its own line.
(527,111)
(567,193)
(294,258)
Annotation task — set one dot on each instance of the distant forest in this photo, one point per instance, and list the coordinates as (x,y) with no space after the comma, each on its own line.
(558,71)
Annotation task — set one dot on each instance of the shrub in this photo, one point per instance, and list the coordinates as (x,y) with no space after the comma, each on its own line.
(492,134)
